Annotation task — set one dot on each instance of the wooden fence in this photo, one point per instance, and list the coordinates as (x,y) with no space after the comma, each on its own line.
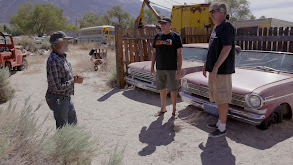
(135,46)
(268,39)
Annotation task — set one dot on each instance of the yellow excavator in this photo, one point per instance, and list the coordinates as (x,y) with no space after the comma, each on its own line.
(182,16)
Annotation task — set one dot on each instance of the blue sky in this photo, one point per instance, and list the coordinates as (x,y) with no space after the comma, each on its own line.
(280,9)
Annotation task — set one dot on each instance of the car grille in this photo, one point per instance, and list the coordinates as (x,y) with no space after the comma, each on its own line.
(142,76)
(238,100)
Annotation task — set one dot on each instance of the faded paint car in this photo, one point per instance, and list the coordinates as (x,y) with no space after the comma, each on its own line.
(262,88)
(193,57)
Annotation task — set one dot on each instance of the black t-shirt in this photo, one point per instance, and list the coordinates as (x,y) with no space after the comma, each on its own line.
(166,50)
(222,35)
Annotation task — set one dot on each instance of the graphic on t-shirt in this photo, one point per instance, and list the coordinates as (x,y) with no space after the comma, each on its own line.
(164,42)
(213,36)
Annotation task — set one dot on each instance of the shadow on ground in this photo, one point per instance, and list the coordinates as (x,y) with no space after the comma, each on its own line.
(241,132)
(156,134)
(146,97)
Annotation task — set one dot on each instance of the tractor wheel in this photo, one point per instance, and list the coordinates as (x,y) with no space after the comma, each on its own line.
(23,65)
(275,117)
(8,68)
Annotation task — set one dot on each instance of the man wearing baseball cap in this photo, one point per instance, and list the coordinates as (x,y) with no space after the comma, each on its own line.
(61,81)
(167,55)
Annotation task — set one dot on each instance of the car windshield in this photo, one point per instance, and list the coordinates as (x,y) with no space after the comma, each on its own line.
(194,54)
(281,62)
(8,40)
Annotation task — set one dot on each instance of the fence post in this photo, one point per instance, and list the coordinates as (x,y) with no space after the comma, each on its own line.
(119,56)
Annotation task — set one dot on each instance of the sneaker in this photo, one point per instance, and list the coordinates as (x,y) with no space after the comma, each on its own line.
(212,126)
(217,133)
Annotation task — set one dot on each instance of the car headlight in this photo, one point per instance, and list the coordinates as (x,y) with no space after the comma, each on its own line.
(184,83)
(254,100)
(129,71)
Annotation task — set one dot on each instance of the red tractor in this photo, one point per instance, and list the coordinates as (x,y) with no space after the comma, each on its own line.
(10,57)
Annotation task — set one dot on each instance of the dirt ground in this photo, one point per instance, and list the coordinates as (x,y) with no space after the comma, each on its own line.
(124,117)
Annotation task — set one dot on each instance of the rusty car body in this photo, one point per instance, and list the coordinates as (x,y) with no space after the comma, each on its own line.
(262,88)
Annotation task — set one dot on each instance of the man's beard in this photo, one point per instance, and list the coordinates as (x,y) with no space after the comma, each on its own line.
(64,48)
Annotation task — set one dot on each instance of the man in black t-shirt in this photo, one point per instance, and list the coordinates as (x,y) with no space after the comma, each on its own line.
(220,65)
(167,55)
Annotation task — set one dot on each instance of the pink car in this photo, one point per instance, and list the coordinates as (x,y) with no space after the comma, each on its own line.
(193,57)
(262,88)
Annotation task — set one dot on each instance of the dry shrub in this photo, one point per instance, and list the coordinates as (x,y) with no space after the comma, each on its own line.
(116,158)
(6,91)
(22,140)
(36,63)
(45,44)
(88,46)
(72,144)
(28,44)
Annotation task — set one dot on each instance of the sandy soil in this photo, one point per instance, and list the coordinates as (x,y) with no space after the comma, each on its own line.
(124,117)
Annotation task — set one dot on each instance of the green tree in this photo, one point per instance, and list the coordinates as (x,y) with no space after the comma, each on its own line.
(1,28)
(252,17)
(262,17)
(149,17)
(6,29)
(88,20)
(117,16)
(238,9)
(38,19)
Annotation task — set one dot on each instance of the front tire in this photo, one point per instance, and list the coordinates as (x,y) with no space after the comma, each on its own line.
(23,65)
(275,117)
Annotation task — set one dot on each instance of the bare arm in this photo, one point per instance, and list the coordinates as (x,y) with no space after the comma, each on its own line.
(153,61)
(179,65)
(223,55)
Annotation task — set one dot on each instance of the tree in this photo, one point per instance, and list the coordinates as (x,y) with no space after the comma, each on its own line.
(252,17)
(117,16)
(6,29)
(237,9)
(149,17)
(38,19)
(262,17)
(88,20)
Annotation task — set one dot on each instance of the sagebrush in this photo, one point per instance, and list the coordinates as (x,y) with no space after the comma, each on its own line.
(6,91)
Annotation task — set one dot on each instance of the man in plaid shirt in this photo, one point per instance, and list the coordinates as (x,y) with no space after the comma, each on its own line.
(61,81)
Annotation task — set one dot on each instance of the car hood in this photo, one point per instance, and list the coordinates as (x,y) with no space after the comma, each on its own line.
(243,81)
(186,65)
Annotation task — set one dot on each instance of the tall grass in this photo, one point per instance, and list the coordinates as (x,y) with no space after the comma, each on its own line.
(6,91)
(24,141)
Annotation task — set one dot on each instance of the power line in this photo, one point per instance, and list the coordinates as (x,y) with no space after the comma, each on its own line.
(176,2)
(161,6)
(168,2)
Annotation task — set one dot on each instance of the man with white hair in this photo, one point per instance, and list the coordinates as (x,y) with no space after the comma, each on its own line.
(61,81)
(220,64)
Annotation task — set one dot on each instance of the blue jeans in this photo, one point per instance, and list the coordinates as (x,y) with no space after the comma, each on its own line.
(63,108)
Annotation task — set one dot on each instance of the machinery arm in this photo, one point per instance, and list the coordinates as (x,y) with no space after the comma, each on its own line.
(139,19)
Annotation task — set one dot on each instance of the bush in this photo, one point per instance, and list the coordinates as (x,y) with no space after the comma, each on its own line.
(72,145)
(6,91)
(45,44)
(28,44)
(116,158)
(22,140)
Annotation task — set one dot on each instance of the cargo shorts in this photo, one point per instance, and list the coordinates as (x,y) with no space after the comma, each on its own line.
(220,90)
(166,79)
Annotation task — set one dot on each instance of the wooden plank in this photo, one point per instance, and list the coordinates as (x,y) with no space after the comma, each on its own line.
(136,57)
(259,44)
(269,45)
(119,57)
(280,43)
(131,51)
(246,42)
(126,54)
(254,33)
(265,38)
(291,42)
(275,33)
(285,43)
(149,49)
(264,43)
(140,50)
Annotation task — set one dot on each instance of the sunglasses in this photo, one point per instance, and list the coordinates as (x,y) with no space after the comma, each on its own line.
(214,10)
(163,23)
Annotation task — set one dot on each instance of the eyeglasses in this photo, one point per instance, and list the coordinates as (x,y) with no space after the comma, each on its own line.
(214,10)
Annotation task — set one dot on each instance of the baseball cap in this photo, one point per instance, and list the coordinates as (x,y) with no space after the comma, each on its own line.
(59,34)
(165,19)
